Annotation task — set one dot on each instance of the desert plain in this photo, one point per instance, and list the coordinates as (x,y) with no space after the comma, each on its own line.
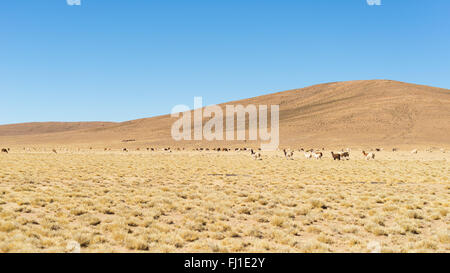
(190,201)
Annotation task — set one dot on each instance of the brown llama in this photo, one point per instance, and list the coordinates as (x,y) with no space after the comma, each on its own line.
(345,155)
(5,151)
(336,156)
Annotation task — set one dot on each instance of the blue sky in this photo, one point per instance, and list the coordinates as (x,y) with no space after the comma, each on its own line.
(118,60)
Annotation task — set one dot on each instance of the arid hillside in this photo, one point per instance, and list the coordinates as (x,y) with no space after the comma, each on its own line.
(355,113)
(39,128)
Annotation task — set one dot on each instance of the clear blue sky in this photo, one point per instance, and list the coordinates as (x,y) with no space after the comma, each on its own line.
(118,60)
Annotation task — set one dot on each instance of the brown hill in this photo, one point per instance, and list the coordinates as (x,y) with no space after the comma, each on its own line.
(36,128)
(355,113)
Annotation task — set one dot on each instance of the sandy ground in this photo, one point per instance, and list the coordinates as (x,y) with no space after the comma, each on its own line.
(223,202)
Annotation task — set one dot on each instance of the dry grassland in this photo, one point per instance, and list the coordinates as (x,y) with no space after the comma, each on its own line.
(223,202)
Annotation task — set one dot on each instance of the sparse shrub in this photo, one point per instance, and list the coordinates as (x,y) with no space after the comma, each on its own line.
(189,236)
(277,221)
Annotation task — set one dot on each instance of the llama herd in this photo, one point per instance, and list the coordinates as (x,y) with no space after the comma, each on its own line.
(254,153)
(342,155)
(318,154)
(314,154)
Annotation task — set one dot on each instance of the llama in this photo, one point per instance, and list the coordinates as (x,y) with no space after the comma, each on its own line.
(308,155)
(289,155)
(368,155)
(54,151)
(345,155)
(318,155)
(125,150)
(5,151)
(414,151)
(256,156)
(336,156)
